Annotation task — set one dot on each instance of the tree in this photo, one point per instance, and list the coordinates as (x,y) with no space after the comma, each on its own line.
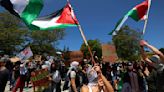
(95,45)
(127,44)
(45,41)
(14,36)
(10,33)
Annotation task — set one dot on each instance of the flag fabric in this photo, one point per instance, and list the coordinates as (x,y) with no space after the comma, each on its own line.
(62,18)
(138,13)
(25,54)
(27,10)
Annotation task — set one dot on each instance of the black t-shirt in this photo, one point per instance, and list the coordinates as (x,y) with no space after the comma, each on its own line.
(156,79)
(4,74)
(151,81)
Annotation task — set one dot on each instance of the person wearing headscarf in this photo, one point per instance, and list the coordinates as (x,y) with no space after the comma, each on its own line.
(97,81)
(73,76)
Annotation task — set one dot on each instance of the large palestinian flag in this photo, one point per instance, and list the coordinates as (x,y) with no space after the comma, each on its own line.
(27,10)
(62,18)
(139,12)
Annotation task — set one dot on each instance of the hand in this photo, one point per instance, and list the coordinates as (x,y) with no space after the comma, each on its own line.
(49,78)
(143,43)
(100,82)
(97,69)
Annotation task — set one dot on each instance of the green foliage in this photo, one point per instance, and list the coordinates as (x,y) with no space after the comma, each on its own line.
(95,45)
(10,33)
(44,41)
(127,44)
(13,34)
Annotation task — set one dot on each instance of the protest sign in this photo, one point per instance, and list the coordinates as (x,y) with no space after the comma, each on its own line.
(39,77)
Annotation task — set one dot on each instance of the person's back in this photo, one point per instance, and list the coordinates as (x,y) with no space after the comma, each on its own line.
(4,74)
(73,79)
(160,77)
(126,83)
(74,75)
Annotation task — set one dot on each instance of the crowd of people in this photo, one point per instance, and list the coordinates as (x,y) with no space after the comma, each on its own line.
(146,75)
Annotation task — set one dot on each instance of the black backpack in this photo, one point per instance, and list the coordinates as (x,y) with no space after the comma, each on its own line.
(67,81)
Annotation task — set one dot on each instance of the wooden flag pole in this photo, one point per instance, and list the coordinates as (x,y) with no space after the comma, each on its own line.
(84,38)
(147,16)
(86,43)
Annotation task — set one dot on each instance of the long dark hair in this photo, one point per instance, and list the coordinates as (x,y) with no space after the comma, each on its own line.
(53,67)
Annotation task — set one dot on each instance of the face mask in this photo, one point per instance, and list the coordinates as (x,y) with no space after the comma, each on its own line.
(92,76)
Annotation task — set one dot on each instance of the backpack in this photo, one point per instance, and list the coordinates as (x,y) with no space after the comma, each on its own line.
(66,83)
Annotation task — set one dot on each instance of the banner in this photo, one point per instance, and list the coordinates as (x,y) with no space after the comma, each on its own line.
(109,53)
(25,54)
(39,78)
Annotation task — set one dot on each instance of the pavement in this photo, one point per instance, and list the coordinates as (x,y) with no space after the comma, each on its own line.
(7,89)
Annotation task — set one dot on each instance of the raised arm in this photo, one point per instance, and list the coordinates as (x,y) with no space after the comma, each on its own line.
(154,49)
(145,58)
(108,86)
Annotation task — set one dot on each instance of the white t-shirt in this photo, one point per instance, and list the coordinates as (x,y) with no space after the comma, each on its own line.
(73,74)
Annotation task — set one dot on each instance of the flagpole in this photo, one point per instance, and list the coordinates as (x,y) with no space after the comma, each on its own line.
(84,38)
(86,43)
(146,21)
(120,25)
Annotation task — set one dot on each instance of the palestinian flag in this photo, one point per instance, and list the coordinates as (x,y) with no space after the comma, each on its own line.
(138,13)
(62,18)
(27,10)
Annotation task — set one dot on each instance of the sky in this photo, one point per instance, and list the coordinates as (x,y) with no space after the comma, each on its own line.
(98,18)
